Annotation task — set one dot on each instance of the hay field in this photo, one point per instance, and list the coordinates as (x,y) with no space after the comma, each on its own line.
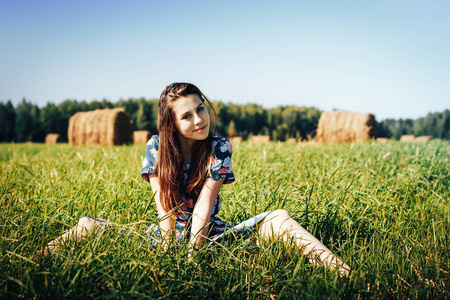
(383,208)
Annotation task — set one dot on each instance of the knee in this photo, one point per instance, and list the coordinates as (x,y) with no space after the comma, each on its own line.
(280,214)
(86,223)
(276,223)
(278,217)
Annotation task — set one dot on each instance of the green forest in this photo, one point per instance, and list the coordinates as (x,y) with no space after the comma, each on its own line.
(29,122)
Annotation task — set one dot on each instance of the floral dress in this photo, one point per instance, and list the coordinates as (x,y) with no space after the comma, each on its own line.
(220,169)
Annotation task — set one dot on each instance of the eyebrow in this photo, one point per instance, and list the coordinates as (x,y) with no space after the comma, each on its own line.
(188,112)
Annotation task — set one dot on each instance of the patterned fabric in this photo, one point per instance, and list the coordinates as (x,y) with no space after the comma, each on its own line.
(243,229)
(220,169)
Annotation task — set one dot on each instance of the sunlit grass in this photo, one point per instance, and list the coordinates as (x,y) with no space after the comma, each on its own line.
(383,208)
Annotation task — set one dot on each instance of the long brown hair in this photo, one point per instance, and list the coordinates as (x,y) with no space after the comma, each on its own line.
(169,164)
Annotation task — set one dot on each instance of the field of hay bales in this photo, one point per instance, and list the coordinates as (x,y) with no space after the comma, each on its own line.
(383,208)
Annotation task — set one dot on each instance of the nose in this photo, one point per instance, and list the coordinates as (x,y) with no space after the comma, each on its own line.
(197,119)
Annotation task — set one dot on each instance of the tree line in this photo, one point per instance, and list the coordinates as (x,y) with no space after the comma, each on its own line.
(436,125)
(28,122)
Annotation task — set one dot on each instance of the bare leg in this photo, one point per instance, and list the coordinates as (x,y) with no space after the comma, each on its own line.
(84,226)
(279,223)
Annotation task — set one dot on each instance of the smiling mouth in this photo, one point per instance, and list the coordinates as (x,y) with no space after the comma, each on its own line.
(201,128)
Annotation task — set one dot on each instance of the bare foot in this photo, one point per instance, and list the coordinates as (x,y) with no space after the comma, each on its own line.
(50,247)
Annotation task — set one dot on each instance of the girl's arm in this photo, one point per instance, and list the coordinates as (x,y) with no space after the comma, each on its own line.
(202,212)
(166,220)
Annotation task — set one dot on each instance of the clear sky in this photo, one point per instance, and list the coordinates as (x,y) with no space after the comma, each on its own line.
(389,58)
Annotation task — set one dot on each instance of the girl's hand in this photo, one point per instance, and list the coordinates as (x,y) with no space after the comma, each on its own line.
(166,219)
(202,212)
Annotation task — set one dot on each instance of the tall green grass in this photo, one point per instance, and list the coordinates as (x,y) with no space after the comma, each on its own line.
(383,208)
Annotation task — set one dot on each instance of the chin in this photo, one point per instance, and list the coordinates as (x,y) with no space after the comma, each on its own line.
(201,138)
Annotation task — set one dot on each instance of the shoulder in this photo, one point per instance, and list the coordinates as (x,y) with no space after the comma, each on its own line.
(153,141)
(151,150)
(221,145)
(221,168)
(151,157)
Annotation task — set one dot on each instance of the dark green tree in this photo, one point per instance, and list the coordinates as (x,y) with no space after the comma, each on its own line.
(7,122)
(51,120)
(27,123)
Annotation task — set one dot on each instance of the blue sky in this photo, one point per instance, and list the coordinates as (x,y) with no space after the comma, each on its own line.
(389,58)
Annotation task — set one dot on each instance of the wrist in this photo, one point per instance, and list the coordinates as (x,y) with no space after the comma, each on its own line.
(196,243)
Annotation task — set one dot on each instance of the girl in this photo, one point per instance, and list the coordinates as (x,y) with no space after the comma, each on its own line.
(186,166)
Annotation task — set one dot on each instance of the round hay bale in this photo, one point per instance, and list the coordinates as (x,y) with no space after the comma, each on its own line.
(423,138)
(236,139)
(291,140)
(345,127)
(259,139)
(407,138)
(52,138)
(141,136)
(383,140)
(106,127)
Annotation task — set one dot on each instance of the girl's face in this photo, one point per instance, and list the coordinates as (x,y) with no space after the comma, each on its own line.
(191,118)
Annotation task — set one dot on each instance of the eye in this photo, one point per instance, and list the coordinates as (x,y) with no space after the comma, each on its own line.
(200,108)
(187,116)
